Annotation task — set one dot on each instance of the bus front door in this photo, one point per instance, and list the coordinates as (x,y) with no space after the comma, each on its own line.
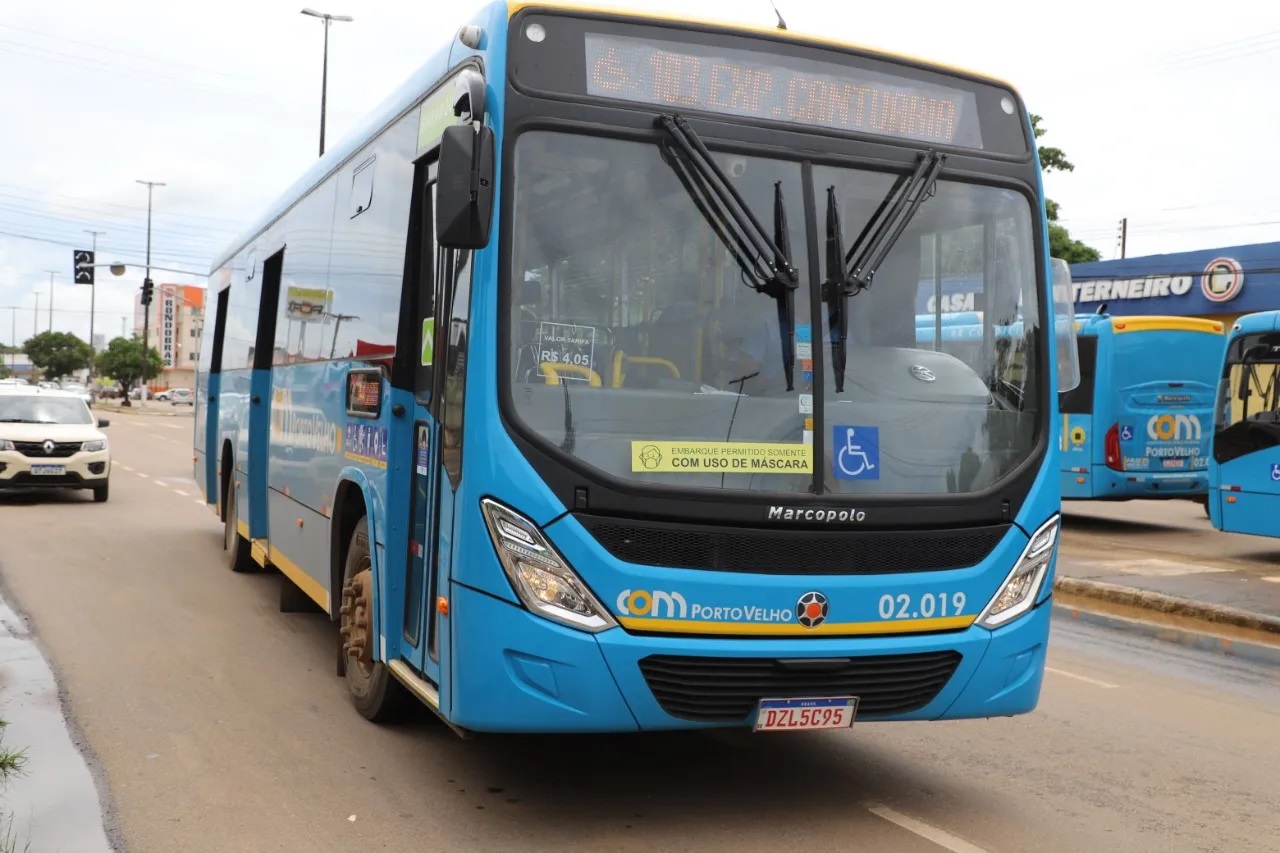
(414,494)
(1244,486)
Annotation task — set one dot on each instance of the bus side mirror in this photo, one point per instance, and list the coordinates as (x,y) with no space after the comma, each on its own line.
(464,197)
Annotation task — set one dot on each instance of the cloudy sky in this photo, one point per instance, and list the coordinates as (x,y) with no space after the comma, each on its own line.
(1168,117)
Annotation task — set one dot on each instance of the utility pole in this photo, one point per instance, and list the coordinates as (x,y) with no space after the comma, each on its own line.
(35,318)
(1124,235)
(324,74)
(146,296)
(93,301)
(51,274)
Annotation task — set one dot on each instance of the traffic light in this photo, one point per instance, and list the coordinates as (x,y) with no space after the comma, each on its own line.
(82,266)
(148,287)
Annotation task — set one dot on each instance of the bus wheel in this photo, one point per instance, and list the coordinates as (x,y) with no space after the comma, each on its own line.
(374,690)
(237,547)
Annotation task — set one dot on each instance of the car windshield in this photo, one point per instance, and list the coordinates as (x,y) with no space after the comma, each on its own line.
(641,350)
(38,409)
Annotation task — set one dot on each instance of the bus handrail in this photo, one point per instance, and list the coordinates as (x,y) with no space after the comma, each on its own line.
(552,372)
(620,357)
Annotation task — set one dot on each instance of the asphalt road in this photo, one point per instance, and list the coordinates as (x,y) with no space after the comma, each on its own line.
(1174,529)
(216,723)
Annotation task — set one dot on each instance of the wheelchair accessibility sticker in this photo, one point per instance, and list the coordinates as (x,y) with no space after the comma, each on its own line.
(1126,431)
(1275,472)
(857,452)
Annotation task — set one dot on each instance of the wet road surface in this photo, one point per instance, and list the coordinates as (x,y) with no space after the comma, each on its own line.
(218,725)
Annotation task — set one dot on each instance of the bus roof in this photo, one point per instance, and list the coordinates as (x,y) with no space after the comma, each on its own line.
(450,52)
(1259,321)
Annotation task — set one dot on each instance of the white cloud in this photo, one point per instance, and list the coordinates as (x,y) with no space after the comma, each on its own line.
(1160,112)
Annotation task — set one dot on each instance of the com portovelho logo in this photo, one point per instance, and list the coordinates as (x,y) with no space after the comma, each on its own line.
(810,610)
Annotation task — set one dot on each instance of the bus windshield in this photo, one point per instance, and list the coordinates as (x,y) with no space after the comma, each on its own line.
(640,349)
(1247,413)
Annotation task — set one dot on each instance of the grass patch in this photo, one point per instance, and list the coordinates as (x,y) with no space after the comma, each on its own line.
(13,762)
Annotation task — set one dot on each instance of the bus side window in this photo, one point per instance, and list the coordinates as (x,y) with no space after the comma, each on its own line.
(456,277)
(1079,400)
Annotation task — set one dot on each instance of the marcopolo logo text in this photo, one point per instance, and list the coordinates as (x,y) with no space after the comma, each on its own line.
(828,516)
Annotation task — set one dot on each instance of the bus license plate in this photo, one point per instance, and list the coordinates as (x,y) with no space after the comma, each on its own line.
(48,470)
(790,715)
(1173,463)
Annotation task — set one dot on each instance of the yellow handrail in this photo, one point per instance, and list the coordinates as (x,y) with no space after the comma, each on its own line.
(619,357)
(552,372)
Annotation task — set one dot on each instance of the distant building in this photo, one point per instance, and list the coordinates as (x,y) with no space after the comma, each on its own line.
(1218,284)
(99,342)
(176,328)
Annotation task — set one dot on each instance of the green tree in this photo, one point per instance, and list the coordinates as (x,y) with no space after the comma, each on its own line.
(58,354)
(1060,243)
(122,360)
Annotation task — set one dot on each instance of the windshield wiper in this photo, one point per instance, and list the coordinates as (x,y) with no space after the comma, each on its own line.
(850,273)
(765,263)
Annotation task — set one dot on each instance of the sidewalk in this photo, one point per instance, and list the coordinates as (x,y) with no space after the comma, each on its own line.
(153,408)
(1225,599)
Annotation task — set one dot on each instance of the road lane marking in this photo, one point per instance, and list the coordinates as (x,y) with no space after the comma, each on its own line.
(200,501)
(1272,579)
(179,491)
(122,465)
(940,837)
(140,474)
(1086,679)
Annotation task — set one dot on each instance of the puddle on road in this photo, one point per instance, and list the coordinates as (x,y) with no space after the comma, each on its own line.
(53,804)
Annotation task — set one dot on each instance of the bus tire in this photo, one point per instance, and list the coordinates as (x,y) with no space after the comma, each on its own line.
(239,558)
(375,692)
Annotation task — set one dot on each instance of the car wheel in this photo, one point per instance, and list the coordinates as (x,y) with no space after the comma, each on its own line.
(101,493)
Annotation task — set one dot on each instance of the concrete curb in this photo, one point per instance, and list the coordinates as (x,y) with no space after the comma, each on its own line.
(1169,605)
(1253,652)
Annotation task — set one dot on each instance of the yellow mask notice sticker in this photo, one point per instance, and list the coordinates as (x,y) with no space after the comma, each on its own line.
(744,457)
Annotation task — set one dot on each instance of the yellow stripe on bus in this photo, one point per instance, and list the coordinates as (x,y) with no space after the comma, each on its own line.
(294,572)
(792,629)
(514,6)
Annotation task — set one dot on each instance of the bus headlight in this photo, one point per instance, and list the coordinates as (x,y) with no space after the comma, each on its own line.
(540,576)
(1018,593)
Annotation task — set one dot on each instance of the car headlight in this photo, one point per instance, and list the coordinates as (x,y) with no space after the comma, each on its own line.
(1018,593)
(6,444)
(540,576)
(94,446)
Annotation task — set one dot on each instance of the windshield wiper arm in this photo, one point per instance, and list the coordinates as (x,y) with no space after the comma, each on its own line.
(765,262)
(850,273)
(874,244)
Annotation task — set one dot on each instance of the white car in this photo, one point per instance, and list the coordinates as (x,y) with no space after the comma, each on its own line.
(50,440)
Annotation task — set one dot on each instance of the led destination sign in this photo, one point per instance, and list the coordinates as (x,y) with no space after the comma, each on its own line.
(778,88)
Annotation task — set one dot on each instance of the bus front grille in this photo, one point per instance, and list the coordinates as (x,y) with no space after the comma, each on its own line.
(727,690)
(793,552)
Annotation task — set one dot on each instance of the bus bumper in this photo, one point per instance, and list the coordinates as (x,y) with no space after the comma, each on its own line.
(1149,484)
(522,673)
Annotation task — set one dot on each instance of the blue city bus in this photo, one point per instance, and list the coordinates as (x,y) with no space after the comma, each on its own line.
(560,387)
(1244,471)
(1136,425)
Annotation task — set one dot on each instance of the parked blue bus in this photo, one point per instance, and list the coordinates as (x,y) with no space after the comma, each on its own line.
(1244,472)
(1135,426)
(580,385)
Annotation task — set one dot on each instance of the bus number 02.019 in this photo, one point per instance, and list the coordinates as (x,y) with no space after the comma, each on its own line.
(928,606)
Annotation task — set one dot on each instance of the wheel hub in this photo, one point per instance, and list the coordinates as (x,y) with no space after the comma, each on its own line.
(357,636)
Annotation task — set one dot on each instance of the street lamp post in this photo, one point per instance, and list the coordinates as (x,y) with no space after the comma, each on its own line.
(93,302)
(146,289)
(51,274)
(324,74)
